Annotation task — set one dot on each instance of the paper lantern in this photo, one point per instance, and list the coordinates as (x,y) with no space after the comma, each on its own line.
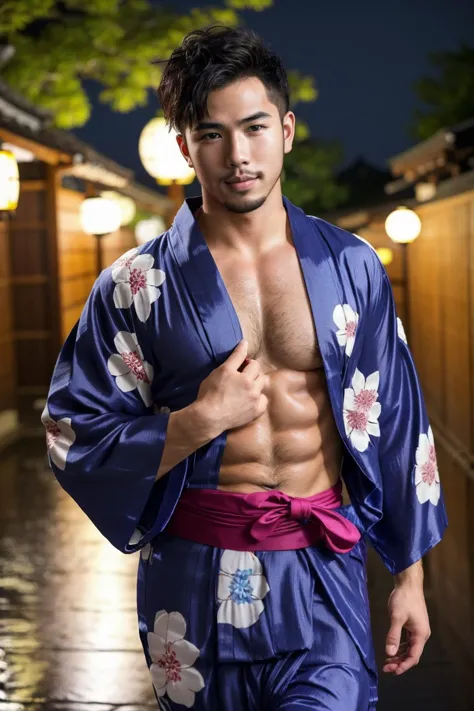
(145,230)
(161,156)
(9,182)
(126,204)
(403,225)
(100,216)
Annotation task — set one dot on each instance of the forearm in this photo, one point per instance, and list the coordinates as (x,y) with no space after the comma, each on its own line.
(410,576)
(188,430)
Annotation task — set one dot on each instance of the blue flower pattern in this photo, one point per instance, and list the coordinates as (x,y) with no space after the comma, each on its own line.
(240,587)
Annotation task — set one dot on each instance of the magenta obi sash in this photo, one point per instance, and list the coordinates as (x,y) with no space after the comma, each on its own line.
(264,520)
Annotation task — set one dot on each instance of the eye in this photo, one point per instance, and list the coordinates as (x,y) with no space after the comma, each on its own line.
(209,136)
(256,126)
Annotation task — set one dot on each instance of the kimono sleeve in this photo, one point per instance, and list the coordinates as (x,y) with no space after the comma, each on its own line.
(411,499)
(104,441)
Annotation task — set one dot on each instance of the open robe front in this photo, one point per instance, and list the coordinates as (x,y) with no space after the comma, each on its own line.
(155,325)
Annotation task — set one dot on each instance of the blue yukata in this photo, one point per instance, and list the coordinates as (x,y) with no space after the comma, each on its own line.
(226,630)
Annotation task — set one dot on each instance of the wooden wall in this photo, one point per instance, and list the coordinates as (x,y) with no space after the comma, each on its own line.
(7,364)
(77,257)
(441,338)
(52,269)
(33,293)
(77,269)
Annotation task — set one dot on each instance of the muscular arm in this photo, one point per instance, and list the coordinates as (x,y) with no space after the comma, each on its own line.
(410,576)
(188,430)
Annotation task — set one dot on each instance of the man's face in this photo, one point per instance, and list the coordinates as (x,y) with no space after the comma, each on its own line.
(237,150)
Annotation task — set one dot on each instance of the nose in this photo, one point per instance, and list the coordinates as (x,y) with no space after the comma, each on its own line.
(237,151)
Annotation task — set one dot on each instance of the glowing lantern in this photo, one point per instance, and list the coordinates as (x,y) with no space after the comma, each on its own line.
(403,225)
(100,216)
(385,255)
(145,230)
(126,204)
(161,156)
(9,182)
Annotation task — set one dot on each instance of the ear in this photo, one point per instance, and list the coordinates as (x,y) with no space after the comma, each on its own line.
(289,121)
(181,141)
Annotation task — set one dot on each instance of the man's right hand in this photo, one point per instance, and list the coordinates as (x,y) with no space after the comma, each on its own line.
(231,395)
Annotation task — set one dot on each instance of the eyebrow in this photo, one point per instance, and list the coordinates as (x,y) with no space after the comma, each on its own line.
(212,124)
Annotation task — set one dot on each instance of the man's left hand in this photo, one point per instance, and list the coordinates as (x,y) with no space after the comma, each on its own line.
(407,610)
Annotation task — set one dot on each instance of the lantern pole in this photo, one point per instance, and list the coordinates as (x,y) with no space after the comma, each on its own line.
(403,226)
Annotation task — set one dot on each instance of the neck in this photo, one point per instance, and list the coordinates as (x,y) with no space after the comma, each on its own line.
(249,234)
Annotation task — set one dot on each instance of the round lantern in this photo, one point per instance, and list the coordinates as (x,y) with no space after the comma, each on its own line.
(161,156)
(385,255)
(9,182)
(100,216)
(126,204)
(145,230)
(403,225)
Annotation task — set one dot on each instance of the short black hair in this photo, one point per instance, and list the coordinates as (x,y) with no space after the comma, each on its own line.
(212,58)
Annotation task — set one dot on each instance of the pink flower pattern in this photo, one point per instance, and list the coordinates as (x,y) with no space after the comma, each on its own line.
(346,319)
(361,410)
(136,282)
(173,657)
(129,367)
(427,481)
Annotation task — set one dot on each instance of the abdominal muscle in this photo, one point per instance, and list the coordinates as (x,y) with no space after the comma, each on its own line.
(293,447)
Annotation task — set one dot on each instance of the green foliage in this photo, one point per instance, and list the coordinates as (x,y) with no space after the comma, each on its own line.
(301,87)
(59,45)
(257,5)
(309,176)
(448,96)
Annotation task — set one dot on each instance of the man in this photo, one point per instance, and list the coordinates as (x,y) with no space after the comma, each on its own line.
(221,383)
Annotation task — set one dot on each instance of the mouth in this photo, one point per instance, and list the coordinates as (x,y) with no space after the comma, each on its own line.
(240,184)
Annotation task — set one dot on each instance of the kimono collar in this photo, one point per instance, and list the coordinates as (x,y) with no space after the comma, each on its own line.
(210,295)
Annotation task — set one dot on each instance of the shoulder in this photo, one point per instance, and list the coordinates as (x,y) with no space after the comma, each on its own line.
(139,261)
(349,249)
(124,291)
(343,238)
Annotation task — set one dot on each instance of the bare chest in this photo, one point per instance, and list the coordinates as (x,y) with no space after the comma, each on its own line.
(273,308)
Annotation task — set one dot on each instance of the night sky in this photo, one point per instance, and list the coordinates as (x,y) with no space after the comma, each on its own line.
(365,57)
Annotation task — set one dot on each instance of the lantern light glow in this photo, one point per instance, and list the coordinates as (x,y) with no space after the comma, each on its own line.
(126,204)
(9,182)
(160,154)
(403,225)
(100,216)
(146,230)
(385,255)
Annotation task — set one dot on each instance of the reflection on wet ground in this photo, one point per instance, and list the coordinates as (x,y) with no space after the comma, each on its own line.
(68,626)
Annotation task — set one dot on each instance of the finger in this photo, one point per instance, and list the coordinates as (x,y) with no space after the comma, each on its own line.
(390,668)
(401,651)
(392,642)
(413,656)
(238,354)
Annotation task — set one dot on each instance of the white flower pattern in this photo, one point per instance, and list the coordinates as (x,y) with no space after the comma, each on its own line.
(241,588)
(346,319)
(137,283)
(401,331)
(172,658)
(126,259)
(361,409)
(427,480)
(59,438)
(129,367)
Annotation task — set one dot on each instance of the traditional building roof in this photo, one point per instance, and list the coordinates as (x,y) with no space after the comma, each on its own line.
(33,128)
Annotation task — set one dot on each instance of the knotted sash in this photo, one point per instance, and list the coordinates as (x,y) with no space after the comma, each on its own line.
(263,520)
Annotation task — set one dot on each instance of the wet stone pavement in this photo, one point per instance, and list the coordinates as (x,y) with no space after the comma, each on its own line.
(68,626)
